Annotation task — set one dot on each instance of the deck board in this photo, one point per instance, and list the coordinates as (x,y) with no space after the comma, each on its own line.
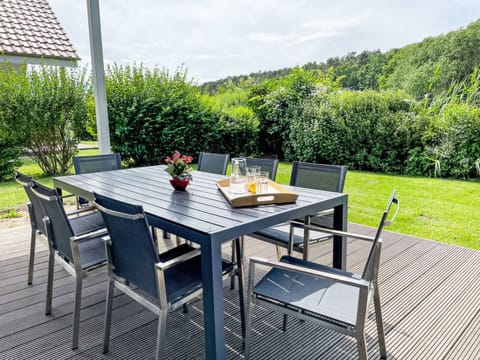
(429,292)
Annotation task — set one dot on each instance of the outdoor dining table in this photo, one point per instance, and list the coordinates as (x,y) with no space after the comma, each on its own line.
(202,215)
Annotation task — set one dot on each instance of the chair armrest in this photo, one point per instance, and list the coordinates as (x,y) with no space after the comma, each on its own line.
(162,266)
(332,231)
(314,216)
(79,211)
(344,279)
(88,236)
(67,196)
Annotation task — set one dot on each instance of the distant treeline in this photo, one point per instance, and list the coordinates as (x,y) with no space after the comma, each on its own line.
(424,68)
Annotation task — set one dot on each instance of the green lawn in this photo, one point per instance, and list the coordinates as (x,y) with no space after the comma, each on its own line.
(438,209)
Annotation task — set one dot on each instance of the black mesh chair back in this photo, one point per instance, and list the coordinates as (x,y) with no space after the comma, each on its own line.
(270,165)
(213,163)
(60,231)
(96,163)
(312,176)
(36,211)
(134,254)
(318,176)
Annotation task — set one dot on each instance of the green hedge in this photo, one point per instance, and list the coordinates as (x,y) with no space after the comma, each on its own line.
(152,113)
(43,110)
(450,146)
(9,157)
(365,130)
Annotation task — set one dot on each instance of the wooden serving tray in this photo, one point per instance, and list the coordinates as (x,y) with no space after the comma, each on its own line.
(276,194)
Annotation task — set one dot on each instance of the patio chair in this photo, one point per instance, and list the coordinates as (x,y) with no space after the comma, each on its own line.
(291,236)
(213,163)
(162,283)
(333,298)
(79,255)
(95,163)
(270,165)
(81,224)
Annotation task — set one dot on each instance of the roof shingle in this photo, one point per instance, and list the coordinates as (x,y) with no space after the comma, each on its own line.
(30,28)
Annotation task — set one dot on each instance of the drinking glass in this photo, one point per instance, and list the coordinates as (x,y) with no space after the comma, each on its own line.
(261,182)
(238,177)
(252,171)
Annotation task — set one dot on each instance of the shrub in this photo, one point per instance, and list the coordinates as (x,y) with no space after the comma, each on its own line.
(44,110)
(452,142)
(9,157)
(365,130)
(153,113)
(450,138)
(237,131)
(275,101)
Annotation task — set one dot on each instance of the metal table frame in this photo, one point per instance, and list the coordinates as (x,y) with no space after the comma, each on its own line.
(202,215)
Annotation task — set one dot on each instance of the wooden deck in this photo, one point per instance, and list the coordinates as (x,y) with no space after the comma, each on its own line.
(430,296)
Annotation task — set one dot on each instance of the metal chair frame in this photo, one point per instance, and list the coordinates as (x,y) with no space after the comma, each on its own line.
(367,285)
(291,245)
(160,307)
(73,268)
(36,221)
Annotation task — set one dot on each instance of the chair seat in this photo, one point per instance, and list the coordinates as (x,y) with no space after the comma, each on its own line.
(280,234)
(92,252)
(186,277)
(315,297)
(86,223)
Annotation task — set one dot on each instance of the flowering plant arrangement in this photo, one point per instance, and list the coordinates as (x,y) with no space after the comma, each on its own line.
(178,165)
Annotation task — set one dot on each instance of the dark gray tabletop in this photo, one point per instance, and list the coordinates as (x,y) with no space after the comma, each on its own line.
(201,209)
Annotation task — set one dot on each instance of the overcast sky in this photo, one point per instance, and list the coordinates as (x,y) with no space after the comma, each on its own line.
(214,39)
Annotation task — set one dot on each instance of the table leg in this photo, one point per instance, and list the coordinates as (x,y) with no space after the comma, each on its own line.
(241,293)
(213,300)
(340,242)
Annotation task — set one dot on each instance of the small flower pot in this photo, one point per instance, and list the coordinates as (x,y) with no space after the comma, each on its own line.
(180,184)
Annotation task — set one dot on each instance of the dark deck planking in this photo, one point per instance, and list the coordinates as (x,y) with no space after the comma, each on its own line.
(430,300)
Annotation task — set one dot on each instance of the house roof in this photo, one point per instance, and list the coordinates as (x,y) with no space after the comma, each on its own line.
(29,29)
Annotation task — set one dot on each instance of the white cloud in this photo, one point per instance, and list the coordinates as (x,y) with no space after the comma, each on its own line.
(217,38)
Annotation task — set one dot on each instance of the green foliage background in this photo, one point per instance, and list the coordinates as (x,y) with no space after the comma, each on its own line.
(43,110)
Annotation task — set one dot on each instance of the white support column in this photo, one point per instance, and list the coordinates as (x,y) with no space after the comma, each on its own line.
(99,90)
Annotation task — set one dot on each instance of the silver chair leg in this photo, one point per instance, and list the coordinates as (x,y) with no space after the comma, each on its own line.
(76,311)
(162,330)
(306,236)
(379,320)
(31,258)
(108,316)
(232,275)
(362,346)
(51,263)
(248,328)
(279,252)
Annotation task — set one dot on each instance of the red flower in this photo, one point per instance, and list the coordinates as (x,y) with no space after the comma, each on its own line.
(178,165)
(176,156)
